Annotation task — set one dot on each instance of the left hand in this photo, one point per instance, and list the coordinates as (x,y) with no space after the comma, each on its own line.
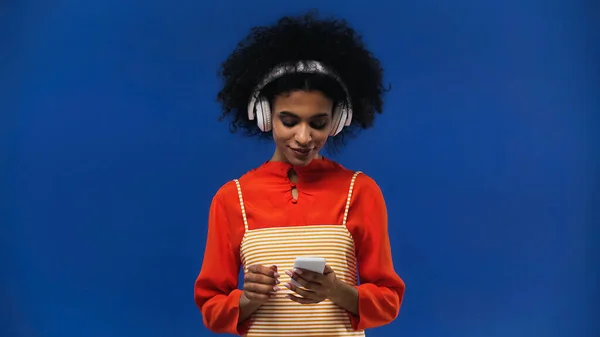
(318,287)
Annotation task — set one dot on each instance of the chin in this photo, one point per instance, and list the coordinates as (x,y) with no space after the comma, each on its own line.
(299,162)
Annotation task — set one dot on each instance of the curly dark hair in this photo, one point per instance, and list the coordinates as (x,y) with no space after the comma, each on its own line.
(330,41)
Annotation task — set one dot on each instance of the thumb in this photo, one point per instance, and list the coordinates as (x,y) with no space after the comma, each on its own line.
(327,270)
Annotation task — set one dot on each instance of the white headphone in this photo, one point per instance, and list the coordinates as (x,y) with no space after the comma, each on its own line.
(342,114)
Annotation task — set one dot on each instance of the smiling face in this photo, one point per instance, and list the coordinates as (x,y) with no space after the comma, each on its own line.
(301,125)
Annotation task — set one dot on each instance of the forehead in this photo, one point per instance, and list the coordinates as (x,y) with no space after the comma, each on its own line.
(304,104)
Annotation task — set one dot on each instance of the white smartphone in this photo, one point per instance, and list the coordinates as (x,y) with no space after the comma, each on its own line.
(314,264)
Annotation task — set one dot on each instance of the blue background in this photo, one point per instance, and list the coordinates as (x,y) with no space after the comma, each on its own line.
(486,153)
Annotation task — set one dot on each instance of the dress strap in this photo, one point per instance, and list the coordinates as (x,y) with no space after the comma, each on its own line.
(239,190)
(349,196)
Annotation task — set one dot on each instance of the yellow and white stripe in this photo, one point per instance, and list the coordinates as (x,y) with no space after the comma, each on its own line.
(281,316)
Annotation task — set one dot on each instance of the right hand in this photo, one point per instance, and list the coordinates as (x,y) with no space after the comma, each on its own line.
(260,283)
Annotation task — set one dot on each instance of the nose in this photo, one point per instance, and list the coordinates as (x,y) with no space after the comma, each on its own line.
(303,136)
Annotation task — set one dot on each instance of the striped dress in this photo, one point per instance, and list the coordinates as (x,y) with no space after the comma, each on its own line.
(279,246)
(337,214)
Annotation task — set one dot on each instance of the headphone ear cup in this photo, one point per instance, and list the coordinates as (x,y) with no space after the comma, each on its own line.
(267,117)
(263,114)
(338,119)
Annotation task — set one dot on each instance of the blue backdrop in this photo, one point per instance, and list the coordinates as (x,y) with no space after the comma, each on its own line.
(113,152)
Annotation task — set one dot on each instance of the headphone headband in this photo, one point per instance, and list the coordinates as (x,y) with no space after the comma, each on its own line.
(307,67)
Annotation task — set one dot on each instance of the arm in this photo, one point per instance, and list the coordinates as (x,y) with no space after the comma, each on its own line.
(216,290)
(379,296)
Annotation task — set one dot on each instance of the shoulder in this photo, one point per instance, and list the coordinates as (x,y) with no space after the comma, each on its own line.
(366,183)
(361,180)
(362,184)
(226,193)
(367,191)
(229,191)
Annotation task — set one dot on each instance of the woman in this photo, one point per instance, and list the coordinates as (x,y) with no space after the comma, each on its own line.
(304,82)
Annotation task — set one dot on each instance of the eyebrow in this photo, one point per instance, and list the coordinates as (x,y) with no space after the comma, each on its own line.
(291,114)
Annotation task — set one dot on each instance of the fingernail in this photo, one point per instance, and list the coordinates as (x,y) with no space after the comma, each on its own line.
(277,282)
(289,273)
(298,271)
(287,285)
(276,288)
(276,275)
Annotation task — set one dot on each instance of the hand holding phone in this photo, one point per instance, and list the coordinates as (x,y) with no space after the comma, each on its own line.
(314,264)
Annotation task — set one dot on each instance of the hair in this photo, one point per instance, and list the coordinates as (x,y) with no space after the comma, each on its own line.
(292,39)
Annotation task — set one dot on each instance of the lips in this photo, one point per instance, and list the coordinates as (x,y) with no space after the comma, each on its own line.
(301,152)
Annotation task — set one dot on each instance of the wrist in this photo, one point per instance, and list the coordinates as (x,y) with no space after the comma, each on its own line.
(246,308)
(337,291)
(243,299)
(345,296)
(246,301)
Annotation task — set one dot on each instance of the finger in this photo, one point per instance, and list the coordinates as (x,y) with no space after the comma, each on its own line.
(306,293)
(304,283)
(310,275)
(327,270)
(252,296)
(268,271)
(302,300)
(260,278)
(260,288)
(306,278)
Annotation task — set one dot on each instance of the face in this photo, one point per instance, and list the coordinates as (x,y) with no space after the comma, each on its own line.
(301,125)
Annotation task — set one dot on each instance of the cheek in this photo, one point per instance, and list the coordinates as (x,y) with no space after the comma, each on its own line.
(320,137)
(280,132)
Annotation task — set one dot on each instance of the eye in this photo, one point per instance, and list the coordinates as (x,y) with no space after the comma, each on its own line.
(318,125)
(289,122)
